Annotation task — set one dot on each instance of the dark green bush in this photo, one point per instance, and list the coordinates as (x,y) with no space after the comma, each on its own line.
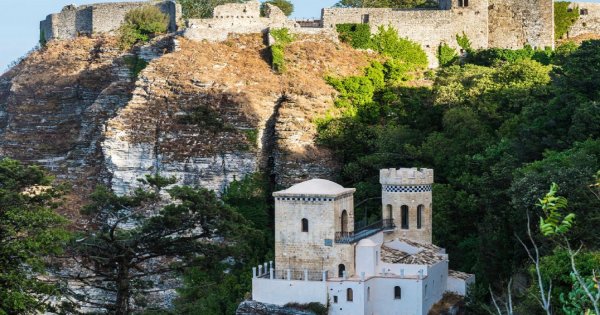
(135,64)
(356,35)
(564,18)
(446,55)
(141,25)
(495,56)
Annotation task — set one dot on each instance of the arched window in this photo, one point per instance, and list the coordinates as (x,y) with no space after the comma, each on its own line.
(304,225)
(404,210)
(341,269)
(420,209)
(397,293)
(349,295)
(344,221)
(389,213)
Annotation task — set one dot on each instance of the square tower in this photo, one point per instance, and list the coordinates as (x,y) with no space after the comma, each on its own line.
(307,217)
(406,199)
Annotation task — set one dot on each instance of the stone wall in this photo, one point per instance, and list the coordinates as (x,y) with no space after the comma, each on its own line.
(589,19)
(295,249)
(428,27)
(516,23)
(237,18)
(99,18)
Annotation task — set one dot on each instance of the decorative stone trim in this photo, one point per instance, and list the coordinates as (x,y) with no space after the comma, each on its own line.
(406,189)
(305,199)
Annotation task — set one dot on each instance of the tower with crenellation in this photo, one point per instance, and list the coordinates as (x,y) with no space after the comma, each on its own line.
(406,199)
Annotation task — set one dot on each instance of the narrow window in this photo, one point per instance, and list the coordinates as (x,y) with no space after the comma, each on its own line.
(349,295)
(341,269)
(304,225)
(389,212)
(404,210)
(420,216)
(460,3)
(425,290)
(583,12)
(365,18)
(344,222)
(335,299)
(368,293)
(397,293)
(466,3)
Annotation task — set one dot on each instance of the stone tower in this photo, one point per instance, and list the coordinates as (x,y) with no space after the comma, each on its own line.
(309,219)
(406,198)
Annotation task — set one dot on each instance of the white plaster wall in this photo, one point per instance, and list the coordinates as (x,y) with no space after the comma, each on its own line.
(459,286)
(436,281)
(366,259)
(344,307)
(281,292)
(382,301)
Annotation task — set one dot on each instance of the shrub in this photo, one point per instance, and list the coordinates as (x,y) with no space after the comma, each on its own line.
(356,35)
(464,42)
(446,55)
(142,24)
(388,43)
(564,18)
(282,38)
(495,56)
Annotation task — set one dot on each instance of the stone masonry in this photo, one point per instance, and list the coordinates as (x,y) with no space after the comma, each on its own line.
(73,20)
(589,19)
(410,188)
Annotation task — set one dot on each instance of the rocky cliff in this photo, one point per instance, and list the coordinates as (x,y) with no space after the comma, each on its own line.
(204,112)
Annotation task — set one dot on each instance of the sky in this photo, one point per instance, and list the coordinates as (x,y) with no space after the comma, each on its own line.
(19,22)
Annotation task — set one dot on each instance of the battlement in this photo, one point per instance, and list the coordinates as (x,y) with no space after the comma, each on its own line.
(406,176)
(73,20)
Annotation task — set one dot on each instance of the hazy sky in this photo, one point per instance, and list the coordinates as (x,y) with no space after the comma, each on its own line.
(19,21)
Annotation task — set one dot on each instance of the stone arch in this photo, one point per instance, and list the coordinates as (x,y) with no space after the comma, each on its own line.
(341,270)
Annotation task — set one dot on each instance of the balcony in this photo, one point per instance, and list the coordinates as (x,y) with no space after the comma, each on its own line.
(364,232)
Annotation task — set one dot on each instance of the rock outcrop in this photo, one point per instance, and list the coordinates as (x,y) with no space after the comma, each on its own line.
(204,112)
(257,308)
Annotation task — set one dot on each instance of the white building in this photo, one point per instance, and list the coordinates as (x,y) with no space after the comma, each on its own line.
(386,267)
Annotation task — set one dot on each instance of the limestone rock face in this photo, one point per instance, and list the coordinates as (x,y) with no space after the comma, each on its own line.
(206,113)
(257,308)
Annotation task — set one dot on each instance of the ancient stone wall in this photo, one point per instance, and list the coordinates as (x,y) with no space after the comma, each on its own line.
(516,23)
(428,27)
(99,18)
(295,249)
(237,18)
(589,19)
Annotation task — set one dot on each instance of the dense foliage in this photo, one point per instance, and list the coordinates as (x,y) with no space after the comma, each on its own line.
(141,24)
(497,135)
(357,35)
(30,231)
(446,55)
(564,18)
(134,239)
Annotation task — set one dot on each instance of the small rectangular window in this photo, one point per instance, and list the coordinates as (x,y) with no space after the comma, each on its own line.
(365,18)
(335,299)
(583,12)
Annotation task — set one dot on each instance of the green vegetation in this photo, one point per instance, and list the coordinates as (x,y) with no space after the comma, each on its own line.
(446,55)
(135,65)
(564,18)
(357,35)
(30,231)
(400,4)
(498,135)
(387,42)
(464,42)
(141,25)
(128,234)
(286,6)
(282,38)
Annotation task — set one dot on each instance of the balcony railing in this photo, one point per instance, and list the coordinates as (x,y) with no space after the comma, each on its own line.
(364,232)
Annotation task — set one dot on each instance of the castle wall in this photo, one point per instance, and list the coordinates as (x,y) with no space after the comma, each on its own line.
(295,249)
(99,18)
(516,23)
(428,27)
(588,23)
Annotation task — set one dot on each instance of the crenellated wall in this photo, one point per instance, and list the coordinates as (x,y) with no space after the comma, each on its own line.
(73,20)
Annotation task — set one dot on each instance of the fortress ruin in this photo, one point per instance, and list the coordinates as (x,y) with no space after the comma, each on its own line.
(508,24)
